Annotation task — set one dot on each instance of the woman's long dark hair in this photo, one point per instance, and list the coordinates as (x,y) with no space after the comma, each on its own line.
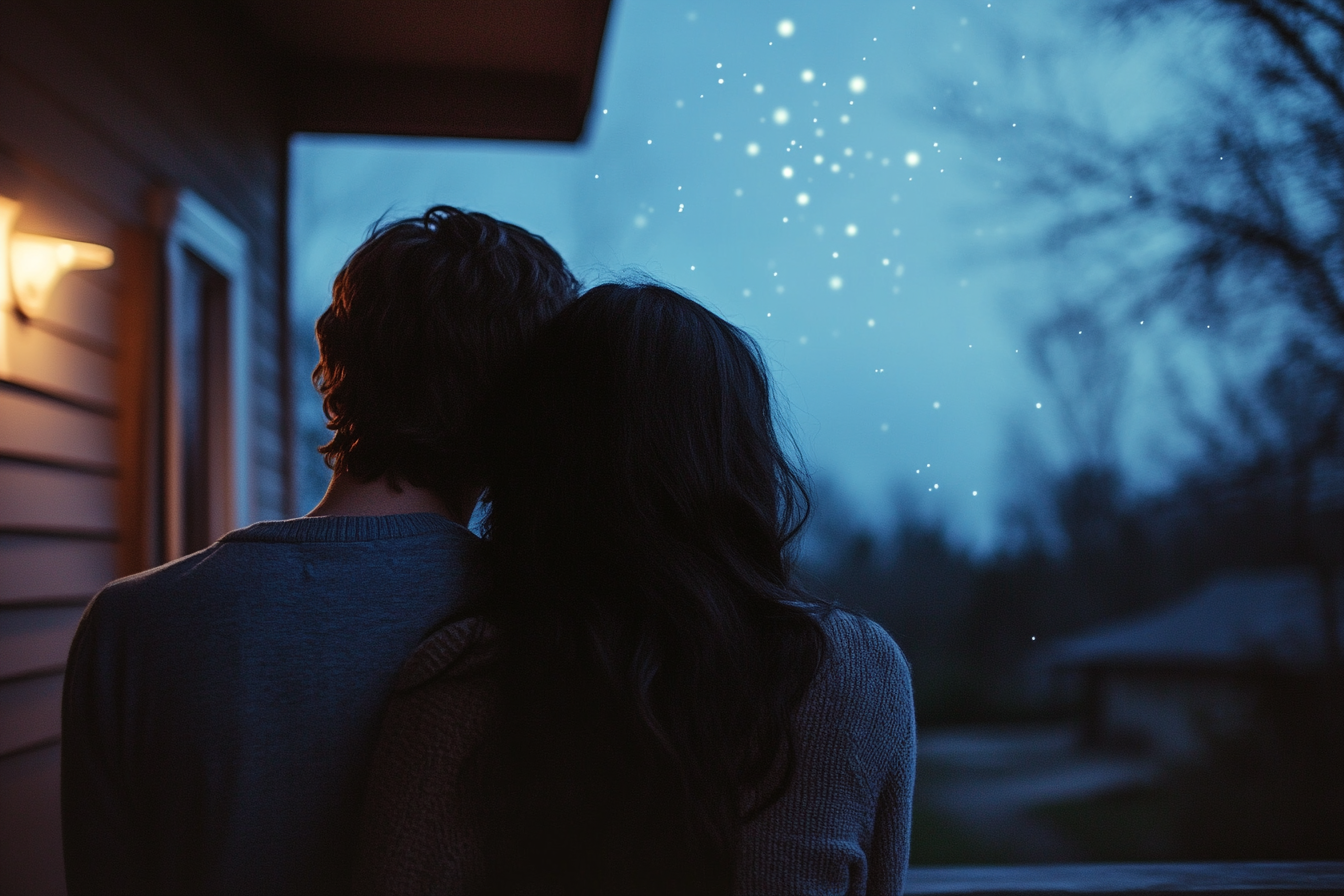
(653,644)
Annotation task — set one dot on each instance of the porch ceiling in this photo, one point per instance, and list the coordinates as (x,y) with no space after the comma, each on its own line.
(520,69)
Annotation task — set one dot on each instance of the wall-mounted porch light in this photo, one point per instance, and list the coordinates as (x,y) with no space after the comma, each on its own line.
(30,268)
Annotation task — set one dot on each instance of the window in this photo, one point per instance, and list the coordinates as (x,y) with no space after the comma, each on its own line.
(205,415)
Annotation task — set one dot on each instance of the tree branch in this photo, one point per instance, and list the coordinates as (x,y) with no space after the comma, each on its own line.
(1292,39)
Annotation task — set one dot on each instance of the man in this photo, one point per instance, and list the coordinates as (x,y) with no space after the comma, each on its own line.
(219,710)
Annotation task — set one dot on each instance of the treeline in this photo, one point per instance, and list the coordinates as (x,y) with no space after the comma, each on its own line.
(1091,552)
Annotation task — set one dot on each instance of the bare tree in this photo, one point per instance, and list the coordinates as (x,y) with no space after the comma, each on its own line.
(1235,225)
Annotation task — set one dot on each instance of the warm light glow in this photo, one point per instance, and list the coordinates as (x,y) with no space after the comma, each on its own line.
(9,212)
(37,263)
(30,268)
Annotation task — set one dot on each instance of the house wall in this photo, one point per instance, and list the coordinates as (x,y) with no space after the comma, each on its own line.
(104,107)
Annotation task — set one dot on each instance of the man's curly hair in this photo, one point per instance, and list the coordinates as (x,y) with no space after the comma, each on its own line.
(425,316)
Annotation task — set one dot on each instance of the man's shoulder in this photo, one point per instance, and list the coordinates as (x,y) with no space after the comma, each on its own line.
(268,566)
(140,590)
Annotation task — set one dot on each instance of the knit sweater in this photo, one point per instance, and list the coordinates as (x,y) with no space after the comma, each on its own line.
(843,825)
(220,710)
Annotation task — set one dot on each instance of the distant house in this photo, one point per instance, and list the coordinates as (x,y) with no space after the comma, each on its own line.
(144,404)
(1162,680)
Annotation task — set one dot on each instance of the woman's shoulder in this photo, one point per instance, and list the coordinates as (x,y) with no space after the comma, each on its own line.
(860,653)
(862,689)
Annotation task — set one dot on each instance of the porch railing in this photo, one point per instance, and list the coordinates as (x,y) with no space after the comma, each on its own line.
(1240,878)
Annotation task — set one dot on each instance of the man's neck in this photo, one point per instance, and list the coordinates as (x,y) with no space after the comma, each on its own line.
(347,496)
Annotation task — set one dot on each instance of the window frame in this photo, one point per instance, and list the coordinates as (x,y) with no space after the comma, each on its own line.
(198,228)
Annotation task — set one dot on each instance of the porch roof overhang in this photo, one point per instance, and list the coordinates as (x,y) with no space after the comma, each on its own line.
(498,69)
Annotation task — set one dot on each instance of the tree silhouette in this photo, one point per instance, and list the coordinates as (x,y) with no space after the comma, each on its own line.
(1231,225)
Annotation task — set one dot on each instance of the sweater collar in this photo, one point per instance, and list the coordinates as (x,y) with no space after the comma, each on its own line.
(332,529)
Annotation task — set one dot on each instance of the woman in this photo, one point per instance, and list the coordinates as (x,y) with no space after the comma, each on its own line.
(644,702)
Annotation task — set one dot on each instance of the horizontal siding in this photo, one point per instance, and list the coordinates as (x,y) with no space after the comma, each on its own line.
(30,836)
(41,360)
(71,185)
(51,205)
(35,639)
(99,101)
(42,48)
(84,304)
(45,137)
(35,427)
(40,570)
(170,95)
(187,110)
(30,713)
(70,352)
(202,86)
(43,499)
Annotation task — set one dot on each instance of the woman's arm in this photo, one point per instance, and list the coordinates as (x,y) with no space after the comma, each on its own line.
(844,825)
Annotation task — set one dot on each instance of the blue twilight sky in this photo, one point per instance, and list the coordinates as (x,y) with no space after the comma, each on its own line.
(786,164)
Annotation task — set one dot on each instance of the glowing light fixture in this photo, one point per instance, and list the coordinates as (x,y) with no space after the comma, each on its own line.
(31,266)
(37,263)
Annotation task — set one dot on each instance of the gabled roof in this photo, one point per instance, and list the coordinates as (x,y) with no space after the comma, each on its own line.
(1234,620)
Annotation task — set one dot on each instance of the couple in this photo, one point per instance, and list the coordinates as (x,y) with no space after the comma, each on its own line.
(619,689)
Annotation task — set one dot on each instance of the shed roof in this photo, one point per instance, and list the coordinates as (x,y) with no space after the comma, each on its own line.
(1233,620)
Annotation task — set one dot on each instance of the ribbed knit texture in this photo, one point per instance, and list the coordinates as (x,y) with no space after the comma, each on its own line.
(342,529)
(843,826)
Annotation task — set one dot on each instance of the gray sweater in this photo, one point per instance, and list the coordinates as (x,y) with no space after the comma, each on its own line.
(843,826)
(220,710)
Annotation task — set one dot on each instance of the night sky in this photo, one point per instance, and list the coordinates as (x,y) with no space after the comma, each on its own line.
(787,165)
